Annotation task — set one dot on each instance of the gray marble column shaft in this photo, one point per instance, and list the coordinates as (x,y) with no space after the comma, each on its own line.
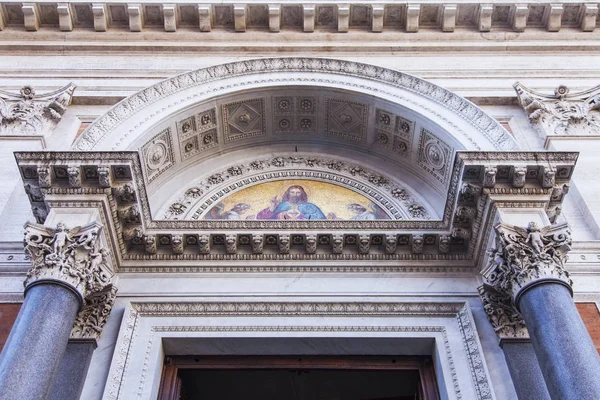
(37,342)
(566,354)
(73,370)
(525,370)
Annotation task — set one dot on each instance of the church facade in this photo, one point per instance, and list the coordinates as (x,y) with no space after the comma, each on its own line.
(303,201)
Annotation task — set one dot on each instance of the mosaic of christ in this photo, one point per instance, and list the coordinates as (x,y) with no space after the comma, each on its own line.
(296,199)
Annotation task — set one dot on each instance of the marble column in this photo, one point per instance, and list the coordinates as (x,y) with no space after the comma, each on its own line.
(68,291)
(521,360)
(527,267)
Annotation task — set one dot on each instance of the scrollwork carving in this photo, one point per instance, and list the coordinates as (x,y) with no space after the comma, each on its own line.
(76,258)
(525,256)
(31,114)
(562,113)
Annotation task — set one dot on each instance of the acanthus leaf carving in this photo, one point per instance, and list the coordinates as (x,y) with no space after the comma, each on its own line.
(523,256)
(500,309)
(562,113)
(91,319)
(76,258)
(29,114)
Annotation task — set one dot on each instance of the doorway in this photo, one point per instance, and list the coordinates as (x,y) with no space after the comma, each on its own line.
(298,378)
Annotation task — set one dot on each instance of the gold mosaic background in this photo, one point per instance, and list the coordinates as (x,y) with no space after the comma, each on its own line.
(332,200)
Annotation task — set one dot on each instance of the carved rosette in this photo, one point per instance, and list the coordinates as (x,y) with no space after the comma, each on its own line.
(562,113)
(74,258)
(29,114)
(523,257)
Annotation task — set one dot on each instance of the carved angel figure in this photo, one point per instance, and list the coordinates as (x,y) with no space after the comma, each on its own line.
(534,237)
(60,239)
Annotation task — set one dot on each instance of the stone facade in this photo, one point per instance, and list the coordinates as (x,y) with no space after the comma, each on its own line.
(481,152)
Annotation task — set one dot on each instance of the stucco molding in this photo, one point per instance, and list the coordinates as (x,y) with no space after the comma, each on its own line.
(135,312)
(486,126)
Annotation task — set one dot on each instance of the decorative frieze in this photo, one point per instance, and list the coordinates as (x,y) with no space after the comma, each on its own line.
(562,113)
(142,240)
(29,114)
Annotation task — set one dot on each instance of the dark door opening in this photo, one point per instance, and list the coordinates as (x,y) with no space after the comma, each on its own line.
(298,378)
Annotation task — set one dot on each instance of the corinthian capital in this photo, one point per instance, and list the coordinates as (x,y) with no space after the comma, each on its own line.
(74,258)
(526,256)
(562,113)
(29,114)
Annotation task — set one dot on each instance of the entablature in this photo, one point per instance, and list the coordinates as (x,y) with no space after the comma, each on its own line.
(480,181)
(275,16)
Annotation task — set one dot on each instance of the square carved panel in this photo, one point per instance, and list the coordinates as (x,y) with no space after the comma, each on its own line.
(157,155)
(346,119)
(294,114)
(384,120)
(404,128)
(206,120)
(434,155)
(186,128)
(244,119)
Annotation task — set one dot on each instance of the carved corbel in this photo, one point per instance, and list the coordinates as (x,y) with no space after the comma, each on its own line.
(44,177)
(489,176)
(150,244)
(74,176)
(519,175)
(284,244)
(364,244)
(391,243)
(258,243)
(125,193)
(444,244)
(417,244)
(548,177)
(104,177)
(204,244)
(76,258)
(231,244)
(177,244)
(310,244)
(337,244)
